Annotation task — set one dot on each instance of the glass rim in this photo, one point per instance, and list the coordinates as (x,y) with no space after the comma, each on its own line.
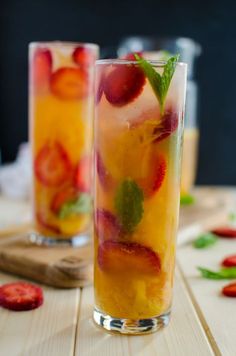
(155,63)
(57,43)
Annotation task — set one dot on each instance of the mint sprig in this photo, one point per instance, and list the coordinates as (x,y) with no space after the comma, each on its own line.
(205,240)
(160,83)
(129,204)
(81,205)
(187,199)
(223,273)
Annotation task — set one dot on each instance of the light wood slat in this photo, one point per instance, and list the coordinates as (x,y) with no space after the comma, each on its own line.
(183,337)
(217,312)
(46,331)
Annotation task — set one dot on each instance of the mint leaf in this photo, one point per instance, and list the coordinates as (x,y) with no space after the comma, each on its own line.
(82,205)
(205,240)
(223,273)
(159,83)
(187,199)
(129,204)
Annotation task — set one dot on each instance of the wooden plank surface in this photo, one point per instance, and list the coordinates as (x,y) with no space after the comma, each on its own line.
(182,337)
(216,312)
(46,331)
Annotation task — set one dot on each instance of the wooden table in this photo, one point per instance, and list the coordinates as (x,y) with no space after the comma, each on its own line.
(203,322)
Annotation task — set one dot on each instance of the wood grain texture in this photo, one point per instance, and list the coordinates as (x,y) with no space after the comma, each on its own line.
(182,337)
(61,266)
(46,331)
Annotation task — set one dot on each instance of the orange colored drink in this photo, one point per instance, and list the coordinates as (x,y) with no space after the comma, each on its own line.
(61,109)
(138,141)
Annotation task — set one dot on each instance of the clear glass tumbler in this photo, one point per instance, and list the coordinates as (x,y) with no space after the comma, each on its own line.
(138,146)
(61,101)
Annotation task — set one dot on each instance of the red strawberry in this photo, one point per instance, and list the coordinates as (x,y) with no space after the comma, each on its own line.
(154,178)
(119,257)
(69,83)
(41,219)
(83,175)
(169,123)
(229,261)
(225,231)
(20,296)
(230,290)
(131,57)
(84,56)
(41,68)
(104,175)
(61,197)
(52,165)
(106,225)
(123,84)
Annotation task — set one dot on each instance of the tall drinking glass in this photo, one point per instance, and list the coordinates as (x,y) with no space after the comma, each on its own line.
(60,114)
(138,143)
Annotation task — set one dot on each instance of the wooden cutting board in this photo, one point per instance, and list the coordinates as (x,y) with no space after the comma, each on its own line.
(69,267)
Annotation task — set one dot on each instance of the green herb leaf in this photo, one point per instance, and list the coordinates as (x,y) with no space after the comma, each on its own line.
(187,199)
(129,204)
(223,273)
(82,205)
(160,83)
(205,240)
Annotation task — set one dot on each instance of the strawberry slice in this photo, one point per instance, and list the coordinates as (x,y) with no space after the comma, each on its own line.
(124,84)
(52,165)
(119,257)
(230,290)
(131,57)
(104,175)
(224,231)
(84,56)
(42,221)
(229,261)
(169,123)
(83,175)
(61,197)
(20,296)
(154,177)
(69,83)
(41,68)
(106,225)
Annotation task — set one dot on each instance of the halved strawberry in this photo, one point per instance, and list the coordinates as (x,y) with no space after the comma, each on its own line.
(230,290)
(69,83)
(224,231)
(229,261)
(52,165)
(155,175)
(106,225)
(131,57)
(42,221)
(84,56)
(83,175)
(61,197)
(20,296)
(119,257)
(104,175)
(169,123)
(123,84)
(41,68)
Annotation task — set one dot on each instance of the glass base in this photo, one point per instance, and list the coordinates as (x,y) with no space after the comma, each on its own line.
(74,241)
(130,326)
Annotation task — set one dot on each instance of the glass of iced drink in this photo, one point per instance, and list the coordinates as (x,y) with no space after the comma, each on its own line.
(138,142)
(61,101)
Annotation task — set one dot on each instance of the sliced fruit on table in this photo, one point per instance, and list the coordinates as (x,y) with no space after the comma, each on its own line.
(52,165)
(155,175)
(230,290)
(83,175)
(107,226)
(84,56)
(41,67)
(46,224)
(104,175)
(123,84)
(229,261)
(117,257)
(69,83)
(20,296)
(224,231)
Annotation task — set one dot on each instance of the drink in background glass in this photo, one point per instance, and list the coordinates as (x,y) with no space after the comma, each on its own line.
(61,113)
(138,146)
